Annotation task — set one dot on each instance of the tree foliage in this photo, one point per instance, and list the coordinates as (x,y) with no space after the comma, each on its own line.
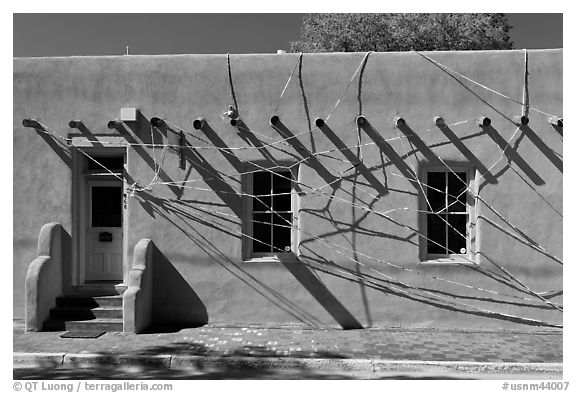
(402,32)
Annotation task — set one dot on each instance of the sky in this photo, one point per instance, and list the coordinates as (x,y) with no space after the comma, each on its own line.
(109,34)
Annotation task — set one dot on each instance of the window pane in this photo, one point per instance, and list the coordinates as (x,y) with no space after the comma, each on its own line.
(437,234)
(457,234)
(261,190)
(262,183)
(261,203)
(282,181)
(456,187)
(282,184)
(435,190)
(261,232)
(106,206)
(282,203)
(282,231)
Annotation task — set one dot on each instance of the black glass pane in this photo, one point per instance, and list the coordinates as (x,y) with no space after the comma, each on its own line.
(282,185)
(436,234)
(282,181)
(282,203)
(112,163)
(262,183)
(262,232)
(457,234)
(262,203)
(456,192)
(435,190)
(106,206)
(282,232)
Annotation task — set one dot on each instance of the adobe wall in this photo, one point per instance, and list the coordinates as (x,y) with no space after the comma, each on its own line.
(205,248)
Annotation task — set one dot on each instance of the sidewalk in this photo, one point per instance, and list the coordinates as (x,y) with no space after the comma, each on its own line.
(514,351)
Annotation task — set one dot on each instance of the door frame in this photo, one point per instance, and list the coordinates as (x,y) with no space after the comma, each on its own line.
(80,184)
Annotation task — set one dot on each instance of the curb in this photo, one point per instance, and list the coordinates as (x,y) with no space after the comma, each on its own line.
(204,363)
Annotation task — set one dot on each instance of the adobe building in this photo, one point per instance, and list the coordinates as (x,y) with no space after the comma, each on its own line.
(344,190)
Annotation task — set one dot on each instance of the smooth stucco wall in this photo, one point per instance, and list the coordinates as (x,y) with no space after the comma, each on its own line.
(181,88)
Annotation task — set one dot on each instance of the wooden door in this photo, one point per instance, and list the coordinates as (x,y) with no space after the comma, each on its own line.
(104,231)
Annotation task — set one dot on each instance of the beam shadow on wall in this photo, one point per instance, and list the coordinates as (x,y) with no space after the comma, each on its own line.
(223,148)
(320,292)
(389,152)
(414,152)
(306,155)
(252,140)
(89,135)
(142,152)
(550,154)
(413,138)
(213,179)
(559,130)
(208,173)
(57,146)
(513,156)
(143,130)
(478,165)
(353,158)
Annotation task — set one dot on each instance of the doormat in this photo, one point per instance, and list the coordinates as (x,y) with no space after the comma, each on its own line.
(82,334)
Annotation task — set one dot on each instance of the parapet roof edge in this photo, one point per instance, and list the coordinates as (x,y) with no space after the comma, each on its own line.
(275,54)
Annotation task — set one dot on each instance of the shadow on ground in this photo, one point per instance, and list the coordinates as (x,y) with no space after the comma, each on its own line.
(206,364)
(109,372)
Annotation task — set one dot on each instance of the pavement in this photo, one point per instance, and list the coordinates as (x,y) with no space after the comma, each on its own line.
(220,351)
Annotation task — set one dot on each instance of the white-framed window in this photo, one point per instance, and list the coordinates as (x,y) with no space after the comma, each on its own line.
(270,214)
(448,214)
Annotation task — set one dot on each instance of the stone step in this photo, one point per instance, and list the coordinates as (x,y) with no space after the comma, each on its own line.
(103,324)
(89,301)
(73,313)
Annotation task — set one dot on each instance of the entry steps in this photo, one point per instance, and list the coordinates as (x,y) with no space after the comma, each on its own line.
(74,312)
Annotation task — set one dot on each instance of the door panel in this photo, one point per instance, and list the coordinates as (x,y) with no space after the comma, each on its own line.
(104,231)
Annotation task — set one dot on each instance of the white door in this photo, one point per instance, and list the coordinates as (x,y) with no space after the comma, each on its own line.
(104,231)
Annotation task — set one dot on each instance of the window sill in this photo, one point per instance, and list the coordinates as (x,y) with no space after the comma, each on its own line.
(102,172)
(448,260)
(276,258)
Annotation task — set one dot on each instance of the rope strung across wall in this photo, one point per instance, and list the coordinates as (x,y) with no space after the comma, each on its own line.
(180,137)
(451,71)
